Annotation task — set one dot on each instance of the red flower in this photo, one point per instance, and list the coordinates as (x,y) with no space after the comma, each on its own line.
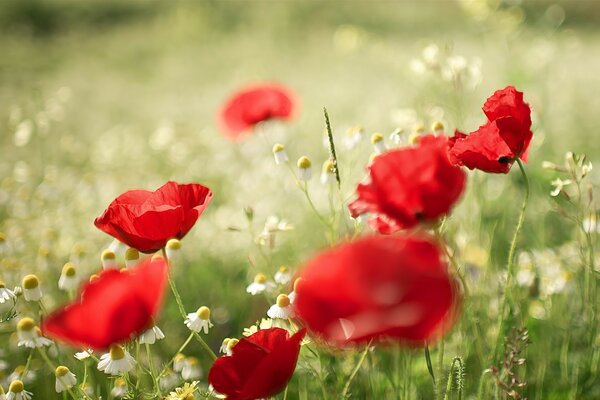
(254,104)
(377,288)
(112,308)
(409,185)
(261,365)
(146,220)
(500,141)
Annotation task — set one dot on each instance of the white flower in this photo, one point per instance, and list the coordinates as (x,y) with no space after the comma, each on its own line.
(178,362)
(200,320)
(328,173)
(68,278)
(132,257)
(168,380)
(29,334)
(378,143)
(223,348)
(120,388)
(259,285)
(559,185)
(172,249)
(590,224)
(281,309)
(117,361)
(151,335)
(191,369)
(108,259)
(82,355)
(6,295)
(65,379)
(283,276)
(31,288)
(304,170)
(279,154)
(431,54)
(16,391)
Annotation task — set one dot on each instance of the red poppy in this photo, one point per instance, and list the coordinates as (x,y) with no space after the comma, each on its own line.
(409,185)
(254,104)
(500,141)
(146,220)
(261,365)
(377,288)
(112,308)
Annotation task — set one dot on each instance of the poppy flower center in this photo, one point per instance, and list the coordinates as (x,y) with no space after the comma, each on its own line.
(504,160)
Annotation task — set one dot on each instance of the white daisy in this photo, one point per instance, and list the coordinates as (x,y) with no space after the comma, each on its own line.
(16,391)
(282,308)
(304,170)
(120,388)
(68,278)
(230,345)
(65,379)
(191,369)
(29,334)
(108,259)
(328,173)
(378,143)
(172,249)
(168,380)
(178,362)
(200,320)
(279,154)
(6,295)
(31,288)
(283,276)
(132,257)
(117,361)
(151,335)
(82,355)
(259,285)
(223,348)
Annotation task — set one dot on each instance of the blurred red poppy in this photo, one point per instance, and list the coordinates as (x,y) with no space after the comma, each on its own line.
(377,288)
(254,104)
(261,365)
(500,141)
(146,220)
(409,185)
(112,308)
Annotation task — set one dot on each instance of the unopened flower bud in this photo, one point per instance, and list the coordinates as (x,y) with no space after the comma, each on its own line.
(31,288)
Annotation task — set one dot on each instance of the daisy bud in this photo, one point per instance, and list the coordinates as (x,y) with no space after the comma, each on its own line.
(65,379)
(259,285)
(304,171)
(68,278)
(223,348)
(279,154)
(117,361)
(282,308)
(437,127)
(200,320)
(120,388)
(6,295)
(172,248)
(230,345)
(16,391)
(178,362)
(191,369)
(31,288)
(378,143)
(283,276)
(152,335)
(328,173)
(396,136)
(132,256)
(108,259)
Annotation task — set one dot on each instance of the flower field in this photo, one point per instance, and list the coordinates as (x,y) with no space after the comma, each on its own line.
(299,200)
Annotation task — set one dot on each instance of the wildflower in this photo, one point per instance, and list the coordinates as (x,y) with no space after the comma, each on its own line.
(111,308)
(117,247)
(263,364)
(283,276)
(559,185)
(437,128)
(172,248)
(230,345)
(272,225)
(377,288)
(328,173)
(168,380)
(280,154)
(282,308)
(223,348)
(396,136)
(179,362)
(16,391)
(378,143)
(252,105)
(120,388)
(500,141)
(29,334)
(292,295)
(108,259)
(186,392)
(151,335)
(82,355)
(590,223)
(6,294)
(259,285)
(132,257)
(408,186)
(200,320)
(146,220)
(31,288)
(304,170)
(117,361)
(65,379)
(68,278)
(191,369)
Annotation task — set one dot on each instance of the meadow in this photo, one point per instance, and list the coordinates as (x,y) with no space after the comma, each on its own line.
(101,97)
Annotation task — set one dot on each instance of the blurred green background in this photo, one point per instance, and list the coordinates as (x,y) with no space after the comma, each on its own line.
(101,96)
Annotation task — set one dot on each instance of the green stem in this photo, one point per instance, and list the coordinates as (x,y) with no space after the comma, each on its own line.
(183,346)
(153,370)
(53,368)
(355,371)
